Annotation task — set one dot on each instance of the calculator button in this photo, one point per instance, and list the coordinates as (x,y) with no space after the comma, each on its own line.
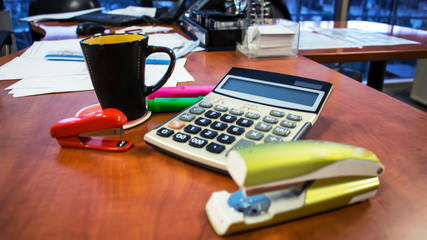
(164,132)
(252,115)
(206,133)
(244,122)
(198,142)
(276,113)
(175,124)
(294,117)
(224,138)
(272,138)
(281,131)
(212,114)
(235,130)
(219,125)
(203,121)
(186,117)
(215,147)
(228,118)
(288,124)
(255,135)
(236,111)
(197,110)
(204,104)
(192,129)
(221,108)
(261,126)
(269,119)
(181,137)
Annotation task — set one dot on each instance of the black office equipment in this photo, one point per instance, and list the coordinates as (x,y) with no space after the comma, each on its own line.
(109,19)
(89,28)
(218,26)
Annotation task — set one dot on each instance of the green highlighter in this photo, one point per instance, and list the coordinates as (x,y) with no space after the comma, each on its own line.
(288,180)
(171,104)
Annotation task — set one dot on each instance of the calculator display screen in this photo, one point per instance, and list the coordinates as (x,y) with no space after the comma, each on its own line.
(281,95)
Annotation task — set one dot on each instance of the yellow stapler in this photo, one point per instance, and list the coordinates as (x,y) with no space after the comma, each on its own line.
(289,180)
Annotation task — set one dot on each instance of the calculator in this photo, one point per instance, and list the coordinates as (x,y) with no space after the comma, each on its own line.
(246,107)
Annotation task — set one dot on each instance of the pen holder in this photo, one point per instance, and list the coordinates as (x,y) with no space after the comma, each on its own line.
(269,38)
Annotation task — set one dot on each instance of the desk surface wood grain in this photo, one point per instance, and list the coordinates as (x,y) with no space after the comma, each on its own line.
(49,192)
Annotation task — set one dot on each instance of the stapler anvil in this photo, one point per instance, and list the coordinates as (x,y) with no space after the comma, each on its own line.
(90,131)
(289,180)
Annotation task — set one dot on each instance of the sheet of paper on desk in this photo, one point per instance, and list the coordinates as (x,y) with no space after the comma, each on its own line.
(45,85)
(179,44)
(144,29)
(40,76)
(346,38)
(59,79)
(135,11)
(22,67)
(40,49)
(58,16)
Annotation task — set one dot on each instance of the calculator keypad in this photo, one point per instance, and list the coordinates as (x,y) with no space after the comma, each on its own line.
(217,127)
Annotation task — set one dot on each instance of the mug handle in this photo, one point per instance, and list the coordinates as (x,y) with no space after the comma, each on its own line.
(152,49)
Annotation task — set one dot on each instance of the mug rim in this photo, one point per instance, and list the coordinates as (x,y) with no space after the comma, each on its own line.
(145,36)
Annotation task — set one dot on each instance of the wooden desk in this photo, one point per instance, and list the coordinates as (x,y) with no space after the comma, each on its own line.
(376,55)
(49,192)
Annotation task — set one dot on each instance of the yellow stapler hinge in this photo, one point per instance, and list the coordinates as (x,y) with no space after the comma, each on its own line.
(284,181)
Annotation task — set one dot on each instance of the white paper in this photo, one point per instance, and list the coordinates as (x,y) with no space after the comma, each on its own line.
(40,49)
(179,44)
(58,16)
(40,76)
(135,11)
(45,85)
(37,85)
(317,38)
(144,29)
(21,67)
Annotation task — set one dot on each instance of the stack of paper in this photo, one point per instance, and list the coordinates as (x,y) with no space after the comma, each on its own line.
(323,38)
(270,40)
(69,71)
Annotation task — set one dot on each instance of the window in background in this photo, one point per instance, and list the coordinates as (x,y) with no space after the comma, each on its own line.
(409,13)
(311,10)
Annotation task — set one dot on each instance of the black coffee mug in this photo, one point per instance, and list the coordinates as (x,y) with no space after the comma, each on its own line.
(116,63)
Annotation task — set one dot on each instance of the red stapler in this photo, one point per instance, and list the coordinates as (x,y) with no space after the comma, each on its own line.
(89,131)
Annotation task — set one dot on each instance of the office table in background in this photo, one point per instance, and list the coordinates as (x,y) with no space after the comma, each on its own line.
(49,192)
(376,55)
